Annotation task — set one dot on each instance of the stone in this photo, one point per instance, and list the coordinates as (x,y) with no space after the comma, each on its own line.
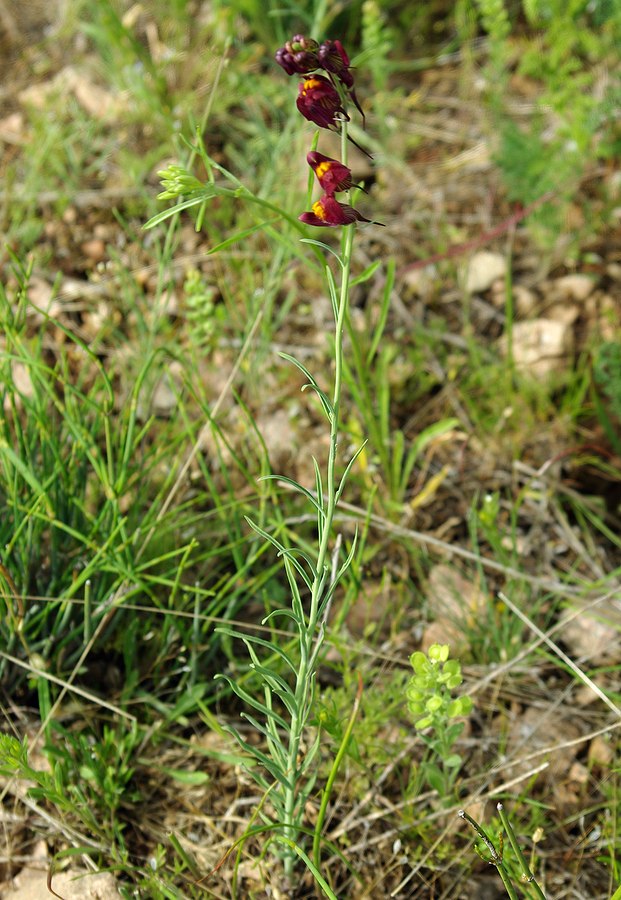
(525,301)
(540,346)
(593,634)
(566,313)
(483,270)
(573,287)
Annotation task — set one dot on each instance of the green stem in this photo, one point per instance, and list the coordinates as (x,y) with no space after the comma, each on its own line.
(311,632)
(327,791)
(527,875)
(496,859)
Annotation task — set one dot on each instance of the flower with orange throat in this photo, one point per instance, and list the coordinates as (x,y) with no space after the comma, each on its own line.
(331,174)
(329,213)
(319,102)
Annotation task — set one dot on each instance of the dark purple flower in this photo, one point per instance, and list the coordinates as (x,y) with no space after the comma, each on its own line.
(298,56)
(331,174)
(319,102)
(329,213)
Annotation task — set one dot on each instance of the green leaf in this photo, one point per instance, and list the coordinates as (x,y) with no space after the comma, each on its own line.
(348,469)
(297,486)
(453,761)
(240,236)
(366,274)
(252,701)
(192,778)
(261,642)
(282,551)
(327,406)
(323,247)
(206,194)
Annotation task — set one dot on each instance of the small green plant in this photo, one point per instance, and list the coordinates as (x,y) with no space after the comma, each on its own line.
(432,703)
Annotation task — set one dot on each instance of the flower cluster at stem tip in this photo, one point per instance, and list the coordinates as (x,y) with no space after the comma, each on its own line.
(322,100)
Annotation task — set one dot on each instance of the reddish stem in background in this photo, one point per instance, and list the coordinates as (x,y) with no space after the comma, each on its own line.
(482,239)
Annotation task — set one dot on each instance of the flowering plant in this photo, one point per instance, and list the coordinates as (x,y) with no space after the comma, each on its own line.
(286,763)
(326,89)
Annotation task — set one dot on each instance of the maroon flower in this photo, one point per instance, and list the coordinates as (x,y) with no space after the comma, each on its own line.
(332,58)
(319,102)
(329,213)
(331,174)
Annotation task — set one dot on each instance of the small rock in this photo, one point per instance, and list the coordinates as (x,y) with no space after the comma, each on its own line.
(94,249)
(535,730)
(420,282)
(22,385)
(600,751)
(593,634)
(539,346)
(573,287)
(40,292)
(483,270)
(613,270)
(525,301)
(579,773)
(452,600)
(12,128)
(567,313)
(31,884)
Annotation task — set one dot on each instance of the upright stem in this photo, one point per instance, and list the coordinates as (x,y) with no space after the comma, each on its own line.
(305,678)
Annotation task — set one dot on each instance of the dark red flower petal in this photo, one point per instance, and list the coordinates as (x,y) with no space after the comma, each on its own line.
(319,101)
(332,58)
(331,174)
(329,213)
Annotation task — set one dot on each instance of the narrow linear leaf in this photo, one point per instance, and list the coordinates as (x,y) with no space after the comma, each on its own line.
(325,402)
(384,308)
(240,236)
(366,274)
(298,487)
(268,764)
(275,743)
(261,642)
(333,293)
(323,247)
(282,551)
(179,207)
(252,701)
(348,469)
(323,884)
(285,613)
(27,475)
(279,687)
(296,601)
